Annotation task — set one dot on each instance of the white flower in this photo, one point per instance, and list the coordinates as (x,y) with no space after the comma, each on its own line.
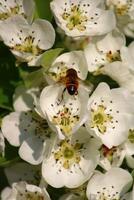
(110,114)
(123,72)
(11,8)
(23,172)
(124,10)
(65,113)
(113,157)
(5,193)
(129,147)
(27,41)
(78,193)
(2,144)
(30,132)
(106,50)
(23,99)
(82,18)
(129,195)
(22,190)
(72,60)
(110,186)
(71,162)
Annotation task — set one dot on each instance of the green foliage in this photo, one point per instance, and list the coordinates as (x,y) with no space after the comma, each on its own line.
(43,9)
(9,77)
(49,57)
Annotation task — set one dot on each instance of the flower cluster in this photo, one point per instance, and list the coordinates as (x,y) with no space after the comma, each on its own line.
(72,120)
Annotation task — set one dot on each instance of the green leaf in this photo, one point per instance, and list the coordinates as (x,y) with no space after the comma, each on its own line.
(9,77)
(4,162)
(34,79)
(49,57)
(43,9)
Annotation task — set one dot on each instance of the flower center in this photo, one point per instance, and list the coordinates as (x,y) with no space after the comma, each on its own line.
(121,9)
(60,73)
(13,11)
(108,153)
(109,193)
(75,18)
(111,57)
(31,196)
(68,154)
(131,136)
(99,119)
(65,120)
(27,46)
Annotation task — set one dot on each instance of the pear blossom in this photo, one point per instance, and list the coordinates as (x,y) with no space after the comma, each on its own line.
(82,18)
(111,185)
(104,51)
(71,161)
(65,113)
(124,69)
(22,190)
(113,157)
(11,8)
(2,144)
(29,131)
(110,114)
(129,195)
(71,60)
(124,11)
(27,41)
(129,146)
(75,193)
(23,98)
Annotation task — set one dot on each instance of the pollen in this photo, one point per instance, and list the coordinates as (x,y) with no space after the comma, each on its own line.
(121,8)
(111,57)
(60,73)
(75,18)
(100,119)
(31,196)
(68,154)
(131,136)
(66,120)
(107,194)
(11,12)
(108,153)
(27,46)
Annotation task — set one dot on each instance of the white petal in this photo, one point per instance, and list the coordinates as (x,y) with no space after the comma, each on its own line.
(74,60)
(112,41)
(127,196)
(122,76)
(2,144)
(57,176)
(115,180)
(23,98)
(16,127)
(29,8)
(5,193)
(59,101)
(31,150)
(130,161)
(44,33)
(17,29)
(95,59)
(92,28)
